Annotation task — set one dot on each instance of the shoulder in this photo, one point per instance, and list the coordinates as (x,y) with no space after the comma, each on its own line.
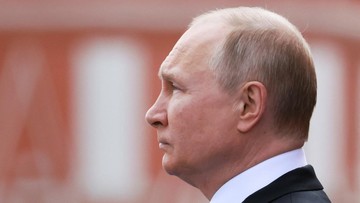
(297,186)
(318,196)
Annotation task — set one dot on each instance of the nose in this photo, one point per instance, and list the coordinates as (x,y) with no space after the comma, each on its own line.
(156,116)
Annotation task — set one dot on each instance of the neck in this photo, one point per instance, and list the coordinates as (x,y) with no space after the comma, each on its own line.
(248,155)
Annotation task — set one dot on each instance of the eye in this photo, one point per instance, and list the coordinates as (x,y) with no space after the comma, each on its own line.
(174,86)
(171,87)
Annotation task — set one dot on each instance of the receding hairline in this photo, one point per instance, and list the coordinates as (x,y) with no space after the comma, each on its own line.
(251,18)
(247,16)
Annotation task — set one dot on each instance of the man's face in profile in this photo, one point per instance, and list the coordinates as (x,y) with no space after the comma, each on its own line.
(194,117)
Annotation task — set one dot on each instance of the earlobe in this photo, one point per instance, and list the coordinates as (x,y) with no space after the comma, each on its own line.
(251,105)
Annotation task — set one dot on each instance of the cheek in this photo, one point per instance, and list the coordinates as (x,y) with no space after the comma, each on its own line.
(187,121)
(186,113)
(200,116)
(198,120)
(197,130)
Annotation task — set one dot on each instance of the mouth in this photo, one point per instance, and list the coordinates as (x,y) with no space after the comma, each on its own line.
(163,144)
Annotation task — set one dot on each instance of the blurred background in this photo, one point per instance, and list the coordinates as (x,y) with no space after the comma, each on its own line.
(76,78)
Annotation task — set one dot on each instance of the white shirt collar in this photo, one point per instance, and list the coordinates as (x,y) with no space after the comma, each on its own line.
(241,186)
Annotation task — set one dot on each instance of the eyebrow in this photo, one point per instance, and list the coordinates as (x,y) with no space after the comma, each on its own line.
(166,75)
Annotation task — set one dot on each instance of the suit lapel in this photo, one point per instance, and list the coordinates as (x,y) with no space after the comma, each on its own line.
(300,179)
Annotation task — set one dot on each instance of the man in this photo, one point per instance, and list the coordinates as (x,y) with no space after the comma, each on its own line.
(238,91)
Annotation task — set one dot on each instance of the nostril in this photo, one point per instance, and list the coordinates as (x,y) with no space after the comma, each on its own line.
(156,124)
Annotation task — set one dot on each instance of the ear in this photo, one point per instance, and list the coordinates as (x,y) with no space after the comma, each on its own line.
(251,105)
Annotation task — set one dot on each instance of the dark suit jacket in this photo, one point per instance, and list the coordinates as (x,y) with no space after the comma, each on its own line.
(297,186)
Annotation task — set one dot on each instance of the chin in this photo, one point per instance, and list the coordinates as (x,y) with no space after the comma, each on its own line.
(170,171)
(180,170)
(174,166)
(168,166)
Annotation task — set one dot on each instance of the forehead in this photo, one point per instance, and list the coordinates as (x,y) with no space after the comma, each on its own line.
(193,50)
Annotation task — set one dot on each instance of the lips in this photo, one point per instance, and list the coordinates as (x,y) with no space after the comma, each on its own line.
(163,143)
(163,146)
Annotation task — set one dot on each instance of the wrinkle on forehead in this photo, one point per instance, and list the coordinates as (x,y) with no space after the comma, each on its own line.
(173,58)
(194,49)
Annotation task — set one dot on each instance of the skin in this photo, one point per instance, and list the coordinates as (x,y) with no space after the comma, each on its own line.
(207,135)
